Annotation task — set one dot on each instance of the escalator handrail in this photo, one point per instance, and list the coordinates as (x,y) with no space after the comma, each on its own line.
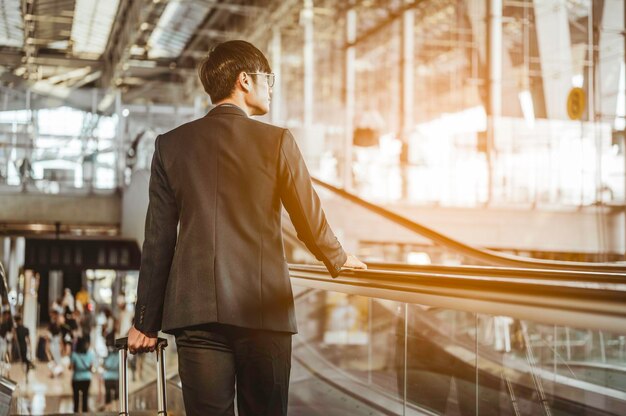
(507,272)
(484,255)
(576,305)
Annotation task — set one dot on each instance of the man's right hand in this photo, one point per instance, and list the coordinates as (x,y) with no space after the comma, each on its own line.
(353,263)
(140,342)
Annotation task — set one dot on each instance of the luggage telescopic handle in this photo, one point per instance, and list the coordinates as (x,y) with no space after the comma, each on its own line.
(121,344)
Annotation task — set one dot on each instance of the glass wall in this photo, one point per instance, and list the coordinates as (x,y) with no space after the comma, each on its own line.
(360,355)
(484,117)
(57,150)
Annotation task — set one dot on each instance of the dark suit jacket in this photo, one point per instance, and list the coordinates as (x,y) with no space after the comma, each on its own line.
(222,178)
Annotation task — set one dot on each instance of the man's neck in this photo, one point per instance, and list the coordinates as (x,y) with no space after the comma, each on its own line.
(236,102)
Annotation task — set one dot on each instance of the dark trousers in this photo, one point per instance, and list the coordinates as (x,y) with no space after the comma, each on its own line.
(24,358)
(81,387)
(213,358)
(111,388)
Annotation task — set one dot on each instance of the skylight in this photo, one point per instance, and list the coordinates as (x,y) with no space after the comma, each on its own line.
(177,24)
(11,26)
(92,24)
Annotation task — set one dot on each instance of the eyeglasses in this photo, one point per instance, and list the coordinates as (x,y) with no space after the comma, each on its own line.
(270,77)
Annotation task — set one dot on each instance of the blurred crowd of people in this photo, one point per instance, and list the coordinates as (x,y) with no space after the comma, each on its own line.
(79,338)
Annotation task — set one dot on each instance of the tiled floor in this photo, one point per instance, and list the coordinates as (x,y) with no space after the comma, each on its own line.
(41,393)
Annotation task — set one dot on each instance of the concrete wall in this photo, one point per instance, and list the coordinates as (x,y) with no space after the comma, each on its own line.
(586,230)
(135,206)
(74,209)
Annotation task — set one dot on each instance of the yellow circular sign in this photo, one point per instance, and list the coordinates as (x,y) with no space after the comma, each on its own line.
(576,103)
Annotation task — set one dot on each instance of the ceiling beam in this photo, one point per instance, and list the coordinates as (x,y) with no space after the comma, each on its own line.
(14,58)
(393,15)
(125,32)
(244,9)
(218,34)
(192,49)
(265,22)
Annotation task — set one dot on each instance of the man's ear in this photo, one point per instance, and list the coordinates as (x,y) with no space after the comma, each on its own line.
(244,80)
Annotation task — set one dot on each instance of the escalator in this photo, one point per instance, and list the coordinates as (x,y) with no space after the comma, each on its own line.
(385,342)
(514,336)
(437,350)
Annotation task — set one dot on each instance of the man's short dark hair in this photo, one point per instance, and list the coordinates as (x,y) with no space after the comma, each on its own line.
(82,345)
(219,70)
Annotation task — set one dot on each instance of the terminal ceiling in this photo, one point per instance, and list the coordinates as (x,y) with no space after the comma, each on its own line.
(61,50)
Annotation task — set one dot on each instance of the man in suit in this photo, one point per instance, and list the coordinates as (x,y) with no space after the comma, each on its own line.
(220,283)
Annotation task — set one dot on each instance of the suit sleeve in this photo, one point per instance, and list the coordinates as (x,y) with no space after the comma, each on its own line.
(158,248)
(304,207)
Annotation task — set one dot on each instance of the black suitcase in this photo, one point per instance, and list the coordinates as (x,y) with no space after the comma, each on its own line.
(121,344)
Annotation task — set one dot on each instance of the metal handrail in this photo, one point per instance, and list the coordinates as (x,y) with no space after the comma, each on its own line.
(589,306)
(480,254)
(507,272)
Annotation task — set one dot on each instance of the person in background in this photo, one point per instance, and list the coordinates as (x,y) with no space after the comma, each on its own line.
(6,330)
(111,371)
(72,320)
(86,321)
(67,338)
(82,297)
(23,342)
(7,322)
(125,319)
(54,344)
(68,300)
(56,306)
(108,322)
(82,362)
(25,169)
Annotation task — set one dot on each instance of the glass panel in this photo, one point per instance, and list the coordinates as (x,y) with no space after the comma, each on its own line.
(441,363)
(548,369)
(348,357)
(351,356)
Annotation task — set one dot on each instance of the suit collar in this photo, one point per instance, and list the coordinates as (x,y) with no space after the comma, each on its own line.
(227,109)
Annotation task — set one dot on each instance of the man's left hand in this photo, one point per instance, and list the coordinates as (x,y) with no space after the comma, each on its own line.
(140,342)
